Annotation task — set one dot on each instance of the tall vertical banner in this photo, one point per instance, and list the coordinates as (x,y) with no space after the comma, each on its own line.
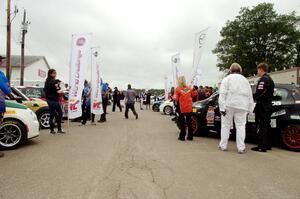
(166,88)
(80,60)
(175,59)
(200,38)
(96,97)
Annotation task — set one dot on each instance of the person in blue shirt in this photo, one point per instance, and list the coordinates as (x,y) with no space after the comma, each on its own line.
(105,98)
(4,91)
(87,105)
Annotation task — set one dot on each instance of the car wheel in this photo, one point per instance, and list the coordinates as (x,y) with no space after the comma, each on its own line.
(168,110)
(195,125)
(155,108)
(12,134)
(290,136)
(44,119)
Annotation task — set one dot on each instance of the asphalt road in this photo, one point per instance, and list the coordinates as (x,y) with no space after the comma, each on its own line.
(129,159)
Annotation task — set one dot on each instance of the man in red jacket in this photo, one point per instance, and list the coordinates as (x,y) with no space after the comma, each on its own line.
(183,96)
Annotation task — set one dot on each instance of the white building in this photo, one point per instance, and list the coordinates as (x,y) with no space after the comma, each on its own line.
(35,72)
(288,76)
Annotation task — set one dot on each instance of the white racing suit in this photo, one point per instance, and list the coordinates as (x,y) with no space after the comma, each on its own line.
(236,100)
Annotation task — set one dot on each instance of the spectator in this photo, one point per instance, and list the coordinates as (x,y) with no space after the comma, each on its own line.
(129,101)
(195,94)
(116,100)
(87,104)
(105,98)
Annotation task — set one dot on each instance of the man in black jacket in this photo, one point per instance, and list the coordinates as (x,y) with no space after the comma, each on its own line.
(264,108)
(116,99)
(52,96)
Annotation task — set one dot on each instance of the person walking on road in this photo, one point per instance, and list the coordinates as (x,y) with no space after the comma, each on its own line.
(4,91)
(116,98)
(148,100)
(235,102)
(263,108)
(51,90)
(129,102)
(183,98)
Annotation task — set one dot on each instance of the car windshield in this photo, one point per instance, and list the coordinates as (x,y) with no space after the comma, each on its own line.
(32,92)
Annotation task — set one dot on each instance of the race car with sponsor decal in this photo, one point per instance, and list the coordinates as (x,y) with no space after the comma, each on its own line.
(285,120)
(167,107)
(19,124)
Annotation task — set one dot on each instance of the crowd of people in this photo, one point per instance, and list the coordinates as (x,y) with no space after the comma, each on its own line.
(236,101)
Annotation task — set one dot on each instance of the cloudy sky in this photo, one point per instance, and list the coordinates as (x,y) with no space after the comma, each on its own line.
(137,37)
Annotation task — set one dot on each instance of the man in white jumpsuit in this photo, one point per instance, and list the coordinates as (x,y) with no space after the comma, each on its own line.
(235,102)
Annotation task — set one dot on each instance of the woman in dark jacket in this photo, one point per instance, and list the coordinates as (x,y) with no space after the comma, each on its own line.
(51,90)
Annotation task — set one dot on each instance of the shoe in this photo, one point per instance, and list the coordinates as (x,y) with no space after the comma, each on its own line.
(52,132)
(190,139)
(137,116)
(1,154)
(126,118)
(61,131)
(181,139)
(93,123)
(242,151)
(221,149)
(102,121)
(257,149)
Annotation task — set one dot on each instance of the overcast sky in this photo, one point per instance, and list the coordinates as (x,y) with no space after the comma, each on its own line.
(137,37)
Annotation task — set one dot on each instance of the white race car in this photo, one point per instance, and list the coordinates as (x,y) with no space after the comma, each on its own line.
(167,107)
(19,124)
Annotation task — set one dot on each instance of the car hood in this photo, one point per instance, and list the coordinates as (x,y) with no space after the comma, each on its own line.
(12,104)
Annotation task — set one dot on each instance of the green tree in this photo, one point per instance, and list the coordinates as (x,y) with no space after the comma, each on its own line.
(259,34)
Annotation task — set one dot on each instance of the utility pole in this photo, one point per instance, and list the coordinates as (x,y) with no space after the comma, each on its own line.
(24,31)
(8,38)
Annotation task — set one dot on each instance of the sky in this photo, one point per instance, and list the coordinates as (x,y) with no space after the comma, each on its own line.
(137,37)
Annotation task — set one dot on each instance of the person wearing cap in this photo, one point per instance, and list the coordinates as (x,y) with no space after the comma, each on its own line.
(116,98)
(4,91)
(235,102)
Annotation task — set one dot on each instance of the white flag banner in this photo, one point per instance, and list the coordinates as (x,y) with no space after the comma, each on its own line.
(166,88)
(200,39)
(175,59)
(96,97)
(80,60)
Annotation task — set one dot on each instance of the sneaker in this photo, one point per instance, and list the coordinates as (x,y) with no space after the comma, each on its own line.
(222,149)
(61,131)
(1,154)
(52,132)
(242,151)
(190,139)
(257,149)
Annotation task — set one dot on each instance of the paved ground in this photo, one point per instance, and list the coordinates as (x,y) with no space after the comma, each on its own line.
(129,159)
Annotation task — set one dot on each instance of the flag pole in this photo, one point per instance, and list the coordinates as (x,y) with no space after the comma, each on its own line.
(70,84)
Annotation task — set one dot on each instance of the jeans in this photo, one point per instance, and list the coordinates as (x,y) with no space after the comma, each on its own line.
(104,105)
(55,110)
(87,113)
(131,107)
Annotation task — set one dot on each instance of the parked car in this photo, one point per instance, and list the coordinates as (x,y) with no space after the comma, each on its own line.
(167,107)
(285,120)
(156,105)
(19,124)
(38,106)
(33,92)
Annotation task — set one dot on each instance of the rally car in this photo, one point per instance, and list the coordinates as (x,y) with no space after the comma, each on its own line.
(156,105)
(38,106)
(19,124)
(167,107)
(285,120)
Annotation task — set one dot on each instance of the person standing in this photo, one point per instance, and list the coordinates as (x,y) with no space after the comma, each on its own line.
(263,109)
(129,102)
(87,104)
(235,102)
(51,90)
(116,98)
(4,91)
(105,98)
(148,100)
(183,97)
(195,94)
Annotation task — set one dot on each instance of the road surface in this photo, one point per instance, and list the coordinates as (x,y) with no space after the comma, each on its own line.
(142,159)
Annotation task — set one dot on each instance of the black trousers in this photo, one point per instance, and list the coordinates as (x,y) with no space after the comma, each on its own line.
(55,111)
(263,114)
(104,105)
(131,107)
(86,113)
(118,104)
(185,119)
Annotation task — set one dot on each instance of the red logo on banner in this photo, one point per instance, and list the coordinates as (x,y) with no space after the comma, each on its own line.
(73,106)
(97,105)
(80,41)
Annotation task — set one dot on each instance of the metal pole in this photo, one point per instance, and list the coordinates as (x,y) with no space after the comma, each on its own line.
(24,30)
(8,40)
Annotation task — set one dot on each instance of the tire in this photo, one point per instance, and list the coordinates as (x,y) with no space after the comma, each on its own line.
(155,108)
(12,134)
(168,110)
(44,118)
(290,137)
